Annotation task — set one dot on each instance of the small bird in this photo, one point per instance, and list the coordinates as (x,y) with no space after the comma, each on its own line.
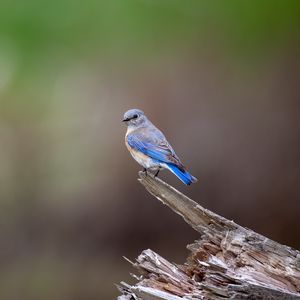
(149,147)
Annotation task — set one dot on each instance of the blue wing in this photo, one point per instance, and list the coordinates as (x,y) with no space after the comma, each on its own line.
(154,147)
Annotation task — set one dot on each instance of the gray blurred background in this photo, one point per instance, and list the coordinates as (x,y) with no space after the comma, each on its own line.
(220,78)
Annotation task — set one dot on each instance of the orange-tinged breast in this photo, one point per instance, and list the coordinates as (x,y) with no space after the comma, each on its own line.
(140,157)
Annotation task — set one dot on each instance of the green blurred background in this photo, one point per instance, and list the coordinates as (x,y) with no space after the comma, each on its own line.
(220,78)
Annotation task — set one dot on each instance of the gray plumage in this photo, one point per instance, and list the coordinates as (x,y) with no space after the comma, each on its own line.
(150,148)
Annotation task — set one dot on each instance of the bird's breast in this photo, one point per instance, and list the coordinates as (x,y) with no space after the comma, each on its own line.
(144,160)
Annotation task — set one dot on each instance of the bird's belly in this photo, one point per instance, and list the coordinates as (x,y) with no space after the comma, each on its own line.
(144,160)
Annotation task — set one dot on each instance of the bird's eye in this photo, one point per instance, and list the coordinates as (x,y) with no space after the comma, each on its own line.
(134,116)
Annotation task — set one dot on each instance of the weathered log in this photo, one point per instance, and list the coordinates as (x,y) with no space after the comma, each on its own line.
(227,262)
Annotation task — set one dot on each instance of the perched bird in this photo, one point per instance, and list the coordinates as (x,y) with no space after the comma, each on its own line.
(149,147)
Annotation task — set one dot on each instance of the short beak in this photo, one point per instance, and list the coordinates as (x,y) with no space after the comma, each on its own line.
(125,120)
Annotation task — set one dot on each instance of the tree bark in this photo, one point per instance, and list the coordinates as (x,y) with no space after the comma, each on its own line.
(227,262)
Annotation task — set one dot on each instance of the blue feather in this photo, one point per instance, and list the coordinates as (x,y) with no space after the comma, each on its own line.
(183,175)
(162,156)
(149,149)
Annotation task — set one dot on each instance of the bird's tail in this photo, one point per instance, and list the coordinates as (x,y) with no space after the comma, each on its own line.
(183,175)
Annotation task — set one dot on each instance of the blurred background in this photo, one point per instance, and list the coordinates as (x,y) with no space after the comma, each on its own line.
(220,78)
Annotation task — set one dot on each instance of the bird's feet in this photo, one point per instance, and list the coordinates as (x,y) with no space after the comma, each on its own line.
(145,171)
(155,175)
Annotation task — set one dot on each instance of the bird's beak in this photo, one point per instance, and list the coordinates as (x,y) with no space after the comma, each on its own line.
(125,120)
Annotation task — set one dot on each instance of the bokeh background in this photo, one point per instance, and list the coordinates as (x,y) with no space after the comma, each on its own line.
(220,78)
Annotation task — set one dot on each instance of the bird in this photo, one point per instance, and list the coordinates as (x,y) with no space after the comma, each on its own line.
(150,148)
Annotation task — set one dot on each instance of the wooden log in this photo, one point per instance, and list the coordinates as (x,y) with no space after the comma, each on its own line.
(227,262)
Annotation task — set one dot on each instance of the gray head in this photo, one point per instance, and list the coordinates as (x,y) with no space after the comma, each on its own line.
(134,117)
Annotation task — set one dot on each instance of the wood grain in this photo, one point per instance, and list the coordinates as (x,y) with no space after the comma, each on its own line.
(227,262)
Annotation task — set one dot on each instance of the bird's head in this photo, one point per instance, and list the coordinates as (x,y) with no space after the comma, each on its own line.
(134,117)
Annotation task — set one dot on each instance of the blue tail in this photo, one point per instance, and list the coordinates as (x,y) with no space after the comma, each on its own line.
(183,175)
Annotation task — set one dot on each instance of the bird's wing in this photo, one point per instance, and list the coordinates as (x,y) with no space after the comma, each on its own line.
(154,145)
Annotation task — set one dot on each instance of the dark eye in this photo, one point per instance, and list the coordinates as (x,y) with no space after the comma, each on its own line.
(134,116)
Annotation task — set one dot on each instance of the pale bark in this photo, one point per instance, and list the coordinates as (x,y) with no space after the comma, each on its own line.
(227,262)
